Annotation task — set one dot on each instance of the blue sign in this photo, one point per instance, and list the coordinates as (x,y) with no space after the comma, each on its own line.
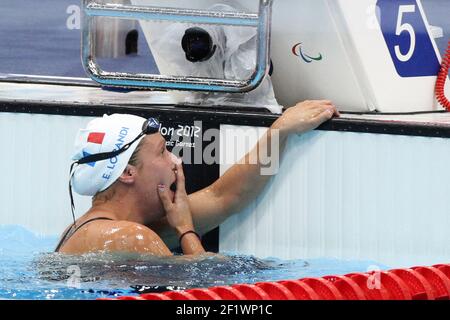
(407,39)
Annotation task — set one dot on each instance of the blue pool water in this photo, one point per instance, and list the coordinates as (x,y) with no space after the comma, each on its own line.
(29,270)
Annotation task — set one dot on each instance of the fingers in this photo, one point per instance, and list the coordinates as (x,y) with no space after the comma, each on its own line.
(306,116)
(324,116)
(316,105)
(327,106)
(324,102)
(180,179)
(165,197)
(335,111)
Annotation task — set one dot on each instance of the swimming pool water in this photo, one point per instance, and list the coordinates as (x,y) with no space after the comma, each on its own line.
(30,270)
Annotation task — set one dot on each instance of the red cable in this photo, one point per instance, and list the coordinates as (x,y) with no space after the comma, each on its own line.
(442,77)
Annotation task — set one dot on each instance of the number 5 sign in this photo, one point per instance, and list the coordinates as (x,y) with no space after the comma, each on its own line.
(408,40)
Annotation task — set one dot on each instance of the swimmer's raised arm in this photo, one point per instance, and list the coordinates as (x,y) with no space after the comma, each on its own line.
(243,182)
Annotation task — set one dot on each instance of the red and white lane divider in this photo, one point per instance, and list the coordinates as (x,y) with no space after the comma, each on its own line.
(417,283)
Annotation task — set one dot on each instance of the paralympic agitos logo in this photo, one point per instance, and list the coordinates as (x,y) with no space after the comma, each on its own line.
(297,50)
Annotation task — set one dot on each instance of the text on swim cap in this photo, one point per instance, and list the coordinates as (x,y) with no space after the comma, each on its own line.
(112,161)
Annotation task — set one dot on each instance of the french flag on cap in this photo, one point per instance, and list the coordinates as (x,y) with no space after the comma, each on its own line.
(96,138)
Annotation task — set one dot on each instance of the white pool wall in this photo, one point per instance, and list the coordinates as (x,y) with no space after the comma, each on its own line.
(35,161)
(350,196)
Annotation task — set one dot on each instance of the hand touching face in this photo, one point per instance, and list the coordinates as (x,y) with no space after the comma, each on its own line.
(177,208)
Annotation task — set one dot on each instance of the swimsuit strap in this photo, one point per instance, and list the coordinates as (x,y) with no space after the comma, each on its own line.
(69,233)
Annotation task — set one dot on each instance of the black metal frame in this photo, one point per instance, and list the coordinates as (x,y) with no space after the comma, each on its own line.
(223,115)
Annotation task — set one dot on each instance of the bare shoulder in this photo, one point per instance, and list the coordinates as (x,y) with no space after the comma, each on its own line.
(126,228)
(117,236)
(128,236)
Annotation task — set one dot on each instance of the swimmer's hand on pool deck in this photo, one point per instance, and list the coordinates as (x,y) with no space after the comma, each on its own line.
(304,117)
(179,215)
(243,182)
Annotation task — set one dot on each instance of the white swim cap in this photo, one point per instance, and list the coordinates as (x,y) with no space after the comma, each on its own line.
(105,134)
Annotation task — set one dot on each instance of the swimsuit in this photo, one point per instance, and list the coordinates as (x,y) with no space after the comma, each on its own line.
(71,232)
